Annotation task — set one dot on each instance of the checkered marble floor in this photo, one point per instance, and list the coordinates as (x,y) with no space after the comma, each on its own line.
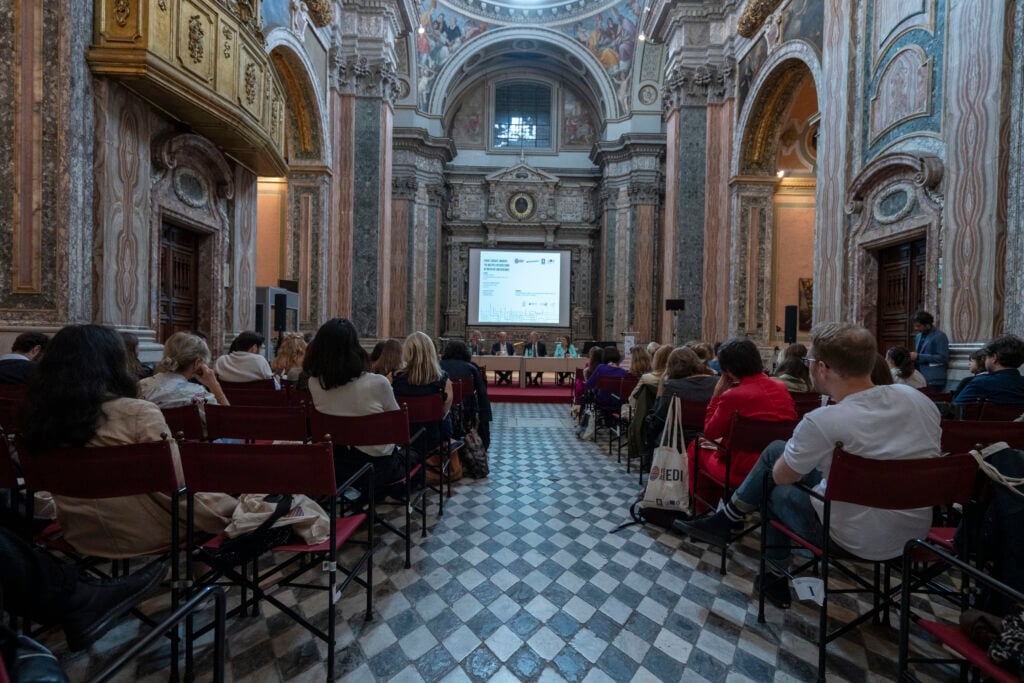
(526,578)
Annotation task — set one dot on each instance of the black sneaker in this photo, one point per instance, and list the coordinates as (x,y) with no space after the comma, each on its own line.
(776,591)
(95,606)
(713,529)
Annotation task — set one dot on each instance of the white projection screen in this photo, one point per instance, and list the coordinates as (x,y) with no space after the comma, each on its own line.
(518,287)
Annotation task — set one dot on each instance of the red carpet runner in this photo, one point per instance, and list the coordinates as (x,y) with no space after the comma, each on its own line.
(546,393)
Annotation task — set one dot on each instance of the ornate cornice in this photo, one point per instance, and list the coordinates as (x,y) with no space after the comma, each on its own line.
(355,75)
(645,193)
(627,147)
(666,16)
(754,15)
(696,86)
(404,187)
(925,171)
(421,143)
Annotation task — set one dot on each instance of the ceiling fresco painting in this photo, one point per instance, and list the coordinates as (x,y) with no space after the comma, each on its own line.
(606,28)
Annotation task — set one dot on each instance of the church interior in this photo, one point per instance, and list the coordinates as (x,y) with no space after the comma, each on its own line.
(709,169)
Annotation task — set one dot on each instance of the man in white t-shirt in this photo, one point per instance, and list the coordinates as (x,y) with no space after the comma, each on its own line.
(890,422)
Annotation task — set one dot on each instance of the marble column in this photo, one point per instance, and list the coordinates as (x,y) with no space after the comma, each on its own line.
(1013,307)
(750,254)
(715,300)
(306,257)
(418,194)
(632,199)
(363,89)
(974,243)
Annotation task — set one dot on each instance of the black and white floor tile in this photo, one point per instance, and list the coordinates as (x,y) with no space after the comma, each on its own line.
(526,578)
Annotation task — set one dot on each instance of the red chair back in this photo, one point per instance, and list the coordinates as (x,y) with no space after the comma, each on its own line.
(264,423)
(423,408)
(361,430)
(901,484)
(960,436)
(184,421)
(1000,411)
(85,472)
(608,384)
(256,397)
(14,392)
(300,397)
(627,386)
(751,435)
(276,468)
(805,401)
(255,385)
(9,409)
(8,474)
(694,414)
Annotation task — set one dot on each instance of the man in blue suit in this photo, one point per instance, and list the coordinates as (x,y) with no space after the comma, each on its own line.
(931,351)
(1003,383)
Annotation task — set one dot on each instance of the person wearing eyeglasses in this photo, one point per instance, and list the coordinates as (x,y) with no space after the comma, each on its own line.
(1003,382)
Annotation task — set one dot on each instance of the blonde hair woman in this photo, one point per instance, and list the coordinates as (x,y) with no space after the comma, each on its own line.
(423,376)
(288,362)
(186,356)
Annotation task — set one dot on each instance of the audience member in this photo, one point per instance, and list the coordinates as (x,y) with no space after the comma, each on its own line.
(976,366)
(18,366)
(185,359)
(931,351)
(797,350)
(1003,382)
(476,343)
(131,345)
(535,349)
(609,368)
(389,360)
(885,423)
(288,361)
(85,395)
(742,388)
(423,376)
(793,373)
(243,362)
(687,377)
(35,584)
(594,358)
(902,368)
(639,361)
(881,375)
(713,363)
(647,376)
(458,363)
(565,349)
(652,347)
(340,385)
(704,351)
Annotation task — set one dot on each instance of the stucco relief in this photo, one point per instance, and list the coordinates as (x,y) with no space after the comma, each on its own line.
(895,17)
(904,91)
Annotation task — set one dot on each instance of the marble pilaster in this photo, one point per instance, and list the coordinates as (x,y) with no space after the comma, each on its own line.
(306,258)
(1013,307)
(750,252)
(715,303)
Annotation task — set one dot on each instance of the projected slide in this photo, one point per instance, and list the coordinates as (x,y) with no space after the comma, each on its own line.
(519,287)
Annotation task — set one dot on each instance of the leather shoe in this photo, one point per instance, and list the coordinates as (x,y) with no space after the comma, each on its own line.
(95,606)
(776,589)
(713,529)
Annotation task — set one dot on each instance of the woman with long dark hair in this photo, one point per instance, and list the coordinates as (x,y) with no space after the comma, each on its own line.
(85,394)
(422,376)
(340,385)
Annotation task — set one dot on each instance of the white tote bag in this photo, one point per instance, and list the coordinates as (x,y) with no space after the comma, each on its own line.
(667,486)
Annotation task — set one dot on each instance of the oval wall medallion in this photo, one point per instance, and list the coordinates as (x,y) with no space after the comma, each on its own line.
(894,204)
(190,187)
(520,205)
(648,95)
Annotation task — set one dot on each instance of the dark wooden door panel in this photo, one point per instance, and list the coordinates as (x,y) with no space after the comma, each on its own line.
(179,293)
(900,292)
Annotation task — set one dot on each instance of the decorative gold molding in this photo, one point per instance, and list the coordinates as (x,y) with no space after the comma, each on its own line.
(754,15)
(229,93)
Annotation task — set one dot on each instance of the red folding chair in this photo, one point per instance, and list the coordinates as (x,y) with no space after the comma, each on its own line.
(1000,411)
(257,423)
(606,388)
(185,422)
(255,385)
(14,392)
(300,397)
(881,484)
(369,430)
(805,401)
(285,469)
(746,435)
(619,422)
(85,472)
(949,635)
(256,397)
(9,410)
(428,412)
(960,436)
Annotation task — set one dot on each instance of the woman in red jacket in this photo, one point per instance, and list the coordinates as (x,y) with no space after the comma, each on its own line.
(743,388)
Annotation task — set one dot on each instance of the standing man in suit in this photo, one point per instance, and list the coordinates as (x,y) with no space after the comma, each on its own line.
(476,343)
(503,347)
(18,366)
(931,351)
(535,349)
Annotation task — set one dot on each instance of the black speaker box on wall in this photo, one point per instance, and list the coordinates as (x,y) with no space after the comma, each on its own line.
(790,333)
(280,312)
(675,304)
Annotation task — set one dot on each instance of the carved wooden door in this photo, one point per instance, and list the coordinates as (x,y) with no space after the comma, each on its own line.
(900,293)
(179,294)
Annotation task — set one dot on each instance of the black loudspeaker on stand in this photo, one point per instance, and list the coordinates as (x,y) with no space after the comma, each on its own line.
(280,312)
(790,333)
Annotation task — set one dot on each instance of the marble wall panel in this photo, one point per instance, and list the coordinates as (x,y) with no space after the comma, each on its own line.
(401,216)
(242,315)
(751,253)
(1013,309)
(643,286)
(366,216)
(688,282)
(715,303)
(669,219)
(307,202)
(122,238)
(973,118)
(609,261)
(343,130)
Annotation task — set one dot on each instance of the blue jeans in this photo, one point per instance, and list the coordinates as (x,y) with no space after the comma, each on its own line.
(787,504)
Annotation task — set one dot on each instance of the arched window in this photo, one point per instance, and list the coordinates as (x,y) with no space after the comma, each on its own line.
(522,116)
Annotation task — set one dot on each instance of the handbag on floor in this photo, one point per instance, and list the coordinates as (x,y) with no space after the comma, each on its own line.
(434,468)
(666,496)
(474,456)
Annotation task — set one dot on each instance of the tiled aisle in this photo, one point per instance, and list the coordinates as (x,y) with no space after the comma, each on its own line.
(524,579)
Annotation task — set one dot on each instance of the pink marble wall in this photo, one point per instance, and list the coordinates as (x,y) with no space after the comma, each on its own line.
(715,323)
